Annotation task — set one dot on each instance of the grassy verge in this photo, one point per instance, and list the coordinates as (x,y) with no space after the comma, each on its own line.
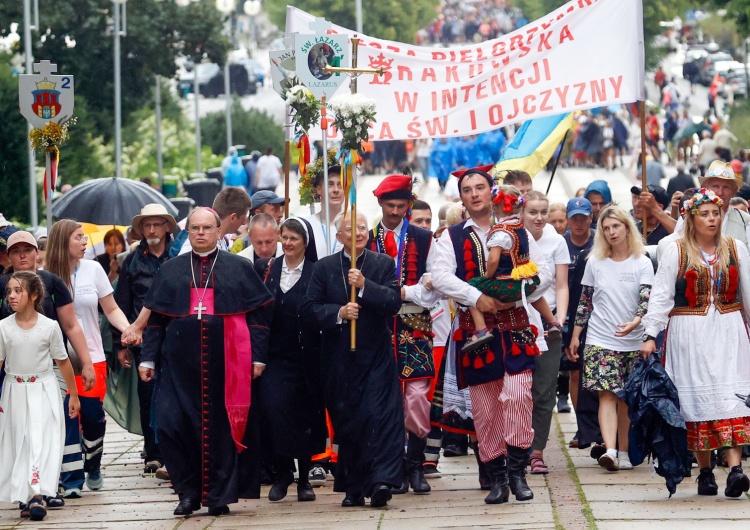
(586,510)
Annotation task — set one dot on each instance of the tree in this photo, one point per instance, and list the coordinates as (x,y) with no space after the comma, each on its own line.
(253,128)
(384,19)
(14,193)
(77,36)
(737,11)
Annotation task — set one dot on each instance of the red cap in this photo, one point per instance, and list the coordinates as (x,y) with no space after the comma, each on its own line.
(394,187)
(479,170)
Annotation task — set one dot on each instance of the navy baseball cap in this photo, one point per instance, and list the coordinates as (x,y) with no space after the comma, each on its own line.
(578,205)
(259,198)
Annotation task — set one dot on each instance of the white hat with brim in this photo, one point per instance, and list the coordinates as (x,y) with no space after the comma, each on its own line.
(153,210)
(720,170)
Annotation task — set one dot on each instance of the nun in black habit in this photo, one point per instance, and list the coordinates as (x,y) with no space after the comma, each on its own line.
(361,386)
(291,390)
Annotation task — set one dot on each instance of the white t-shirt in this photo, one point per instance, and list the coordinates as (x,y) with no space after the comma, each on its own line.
(616,293)
(555,251)
(268,171)
(90,283)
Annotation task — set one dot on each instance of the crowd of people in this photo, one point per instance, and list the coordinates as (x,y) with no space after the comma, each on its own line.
(359,349)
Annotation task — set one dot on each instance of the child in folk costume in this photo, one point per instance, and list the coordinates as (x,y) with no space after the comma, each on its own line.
(32,426)
(509,274)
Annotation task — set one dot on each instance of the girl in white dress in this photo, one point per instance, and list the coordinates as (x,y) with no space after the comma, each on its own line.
(32,423)
(702,293)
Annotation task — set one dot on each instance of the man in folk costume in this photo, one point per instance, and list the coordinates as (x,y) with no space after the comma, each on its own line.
(722,180)
(409,246)
(206,340)
(498,376)
(362,395)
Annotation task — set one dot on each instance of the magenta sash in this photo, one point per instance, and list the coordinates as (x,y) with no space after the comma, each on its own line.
(238,375)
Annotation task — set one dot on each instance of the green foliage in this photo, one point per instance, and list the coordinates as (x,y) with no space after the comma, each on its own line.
(722,31)
(253,128)
(738,11)
(14,192)
(740,121)
(384,19)
(157,32)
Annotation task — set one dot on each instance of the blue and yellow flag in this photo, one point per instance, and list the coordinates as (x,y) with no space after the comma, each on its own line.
(534,144)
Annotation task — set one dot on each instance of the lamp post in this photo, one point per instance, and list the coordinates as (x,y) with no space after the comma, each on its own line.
(252,9)
(27,27)
(120,30)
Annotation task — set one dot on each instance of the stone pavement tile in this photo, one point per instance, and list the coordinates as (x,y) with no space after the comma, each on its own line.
(698,524)
(244,517)
(448,519)
(673,509)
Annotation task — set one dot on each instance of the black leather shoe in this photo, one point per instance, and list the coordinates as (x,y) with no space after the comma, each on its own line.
(218,510)
(737,483)
(55,502)
(186,507)
(404,488)
(380,496)
(350,501)
(280,487)
(707,482)
(305,492)
(453,450)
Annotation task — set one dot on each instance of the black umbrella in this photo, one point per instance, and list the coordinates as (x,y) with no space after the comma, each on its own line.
(106,201)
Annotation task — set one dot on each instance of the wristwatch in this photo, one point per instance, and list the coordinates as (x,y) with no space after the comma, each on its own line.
(647,337)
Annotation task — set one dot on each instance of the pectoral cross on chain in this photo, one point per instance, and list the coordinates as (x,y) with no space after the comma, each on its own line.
(200,308)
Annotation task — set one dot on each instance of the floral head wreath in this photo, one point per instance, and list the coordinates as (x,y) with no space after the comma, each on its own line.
(701,196)
(310,178)
(507,200)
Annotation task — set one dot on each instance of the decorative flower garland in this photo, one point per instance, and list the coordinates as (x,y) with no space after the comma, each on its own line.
(307,179)
(702,196)
(49,138)
(354,112)
(306,114)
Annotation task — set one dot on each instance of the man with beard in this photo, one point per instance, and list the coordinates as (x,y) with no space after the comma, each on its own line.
(136,276)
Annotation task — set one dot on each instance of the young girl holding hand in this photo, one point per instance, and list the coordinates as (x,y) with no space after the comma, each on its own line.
(32,425)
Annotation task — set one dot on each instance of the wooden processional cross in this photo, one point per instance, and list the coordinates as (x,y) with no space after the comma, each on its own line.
(354,72)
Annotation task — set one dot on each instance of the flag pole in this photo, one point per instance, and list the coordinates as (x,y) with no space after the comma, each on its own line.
(557,161)
(644,187)
(50,187)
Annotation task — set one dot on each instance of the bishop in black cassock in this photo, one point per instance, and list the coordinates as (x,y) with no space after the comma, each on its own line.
(208,336)
(361,387)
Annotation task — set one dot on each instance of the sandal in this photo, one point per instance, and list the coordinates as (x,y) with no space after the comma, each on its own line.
(36,509)
(479,339)
(538,467)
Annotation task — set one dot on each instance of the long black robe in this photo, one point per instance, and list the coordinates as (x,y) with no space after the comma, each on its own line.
(290,387)
(362,391)
(191,417)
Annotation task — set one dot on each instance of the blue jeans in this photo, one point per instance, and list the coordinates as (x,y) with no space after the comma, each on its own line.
(84,442)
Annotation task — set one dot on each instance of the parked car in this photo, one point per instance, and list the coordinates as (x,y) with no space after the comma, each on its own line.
(707,72)
(211,80)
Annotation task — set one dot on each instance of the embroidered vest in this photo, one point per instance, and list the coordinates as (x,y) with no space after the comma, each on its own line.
(414,251)
(515,263)
(693,287)
(467,244)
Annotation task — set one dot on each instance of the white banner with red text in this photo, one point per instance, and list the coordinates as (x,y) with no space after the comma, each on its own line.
(586,54)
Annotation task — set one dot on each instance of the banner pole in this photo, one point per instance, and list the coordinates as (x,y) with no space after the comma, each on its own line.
(644,187)
(50,188)
(557,161)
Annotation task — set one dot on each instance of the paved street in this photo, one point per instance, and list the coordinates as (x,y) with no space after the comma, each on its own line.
(577,494)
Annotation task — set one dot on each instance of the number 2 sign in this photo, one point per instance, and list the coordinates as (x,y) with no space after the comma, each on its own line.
(44,97)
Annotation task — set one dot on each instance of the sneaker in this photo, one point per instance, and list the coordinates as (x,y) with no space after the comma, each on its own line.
(609,461)
(451,451)
(707,482)
(574,442)
(72,493)
(737,483)
(563,407)
(623,461)
(317,476)
(431,471)
(162,473)
(94,480)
